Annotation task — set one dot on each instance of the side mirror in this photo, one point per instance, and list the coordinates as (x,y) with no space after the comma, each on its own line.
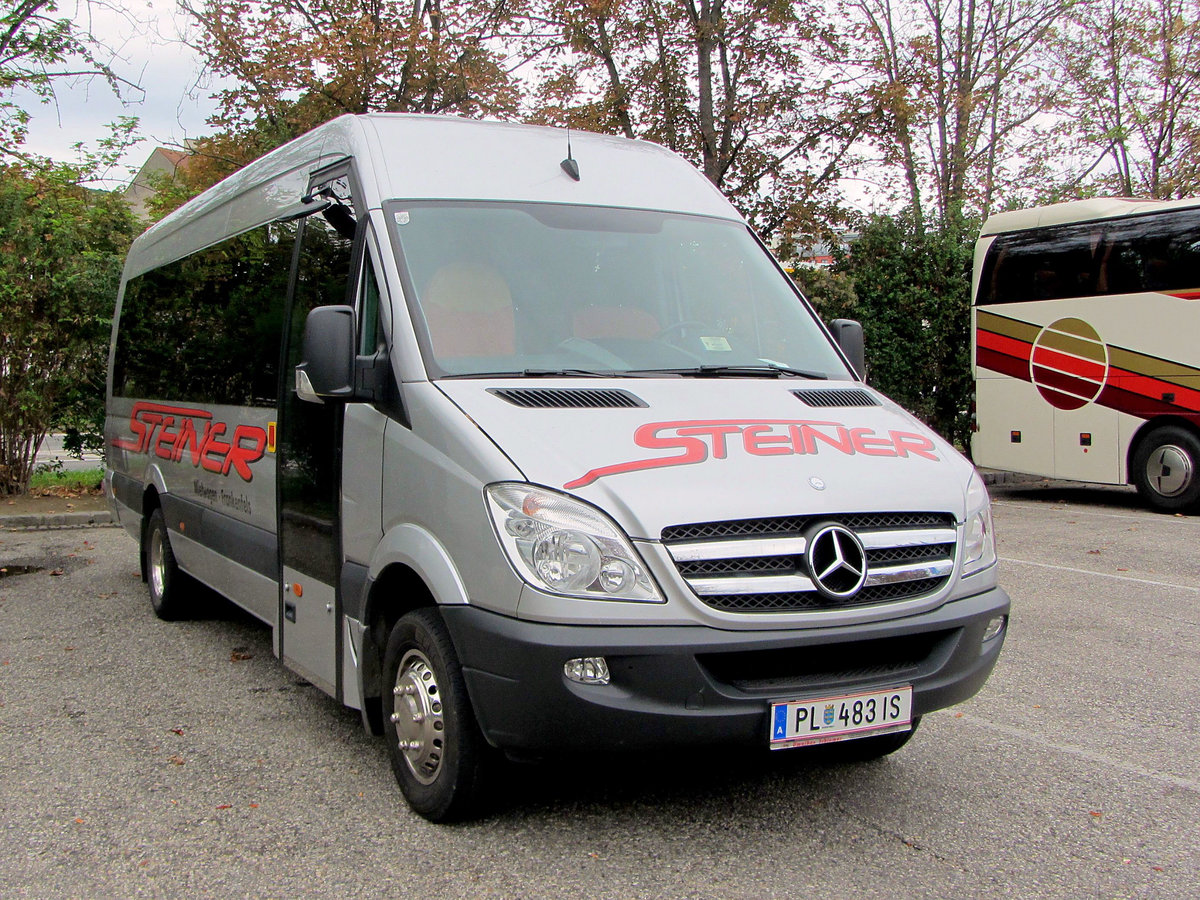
(849,336)
(327,354)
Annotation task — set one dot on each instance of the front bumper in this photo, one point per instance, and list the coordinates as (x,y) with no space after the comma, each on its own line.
(680,685)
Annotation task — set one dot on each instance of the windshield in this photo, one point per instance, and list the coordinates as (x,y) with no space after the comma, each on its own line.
(538,289)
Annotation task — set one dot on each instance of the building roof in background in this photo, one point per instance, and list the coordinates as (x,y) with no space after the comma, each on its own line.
(162,164)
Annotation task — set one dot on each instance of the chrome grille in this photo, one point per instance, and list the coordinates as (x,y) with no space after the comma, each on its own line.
(758,565)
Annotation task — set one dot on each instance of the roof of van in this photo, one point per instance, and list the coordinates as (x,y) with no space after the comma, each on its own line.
(421,157)
(1078,211)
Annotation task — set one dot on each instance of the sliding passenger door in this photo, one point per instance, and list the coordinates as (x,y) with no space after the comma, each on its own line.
(309,452)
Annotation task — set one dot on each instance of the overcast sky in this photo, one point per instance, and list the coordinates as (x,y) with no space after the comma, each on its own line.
(146,50)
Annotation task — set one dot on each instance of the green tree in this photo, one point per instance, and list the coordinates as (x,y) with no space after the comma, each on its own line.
(61,250)
(912,295)
(1132,68)
(38,50)
(290,67)
(739,87)
(957,92)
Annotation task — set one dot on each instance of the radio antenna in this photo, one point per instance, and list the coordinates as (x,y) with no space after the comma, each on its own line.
(569,165)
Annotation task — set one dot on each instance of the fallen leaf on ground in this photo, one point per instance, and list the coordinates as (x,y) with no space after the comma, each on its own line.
(176,760)
(240,655)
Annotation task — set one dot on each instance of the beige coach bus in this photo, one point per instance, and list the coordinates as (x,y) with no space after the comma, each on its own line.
(1086,363)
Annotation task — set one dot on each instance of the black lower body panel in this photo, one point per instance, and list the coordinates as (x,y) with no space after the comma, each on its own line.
(680,685)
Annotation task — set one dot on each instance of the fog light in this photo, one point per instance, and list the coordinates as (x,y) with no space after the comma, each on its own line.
(589,670)
(995,625)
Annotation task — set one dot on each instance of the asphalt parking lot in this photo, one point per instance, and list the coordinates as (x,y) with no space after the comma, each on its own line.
(141,758)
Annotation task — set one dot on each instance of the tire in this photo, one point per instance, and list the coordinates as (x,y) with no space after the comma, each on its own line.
(438,753)
(1166,468)
(168,584)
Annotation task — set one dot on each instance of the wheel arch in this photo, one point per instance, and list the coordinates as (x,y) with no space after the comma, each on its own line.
(409,570)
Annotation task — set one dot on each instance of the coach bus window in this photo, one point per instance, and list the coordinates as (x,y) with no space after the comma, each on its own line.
(206,328)
(1159,252)
(1042,265)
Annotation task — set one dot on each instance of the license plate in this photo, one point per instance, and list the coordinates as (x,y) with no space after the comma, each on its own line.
(799,723)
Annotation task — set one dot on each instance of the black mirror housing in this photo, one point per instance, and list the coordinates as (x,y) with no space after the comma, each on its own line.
(328,353)
(849,337)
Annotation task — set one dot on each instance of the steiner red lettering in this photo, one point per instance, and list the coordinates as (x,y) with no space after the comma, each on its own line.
(718,431)
(187,440)
(172,433)
(212,445)
(907,443)
(241,456)
(761,437)
(760,440)
(163,447)
(871,446)
(842,442)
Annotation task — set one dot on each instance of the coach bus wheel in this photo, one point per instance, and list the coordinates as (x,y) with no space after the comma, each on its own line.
(167,583)
(438,753)
(1165,468)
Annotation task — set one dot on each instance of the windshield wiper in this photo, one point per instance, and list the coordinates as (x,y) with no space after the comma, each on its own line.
(762,370)
(541,373)
(569,373)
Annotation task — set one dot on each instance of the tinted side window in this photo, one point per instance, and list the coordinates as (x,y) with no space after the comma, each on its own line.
(1154,253)
(1158,252)
(1042,265)
(207,328)
(309,442)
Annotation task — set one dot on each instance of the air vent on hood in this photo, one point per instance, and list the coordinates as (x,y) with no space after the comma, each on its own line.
(569,398)
(835,397)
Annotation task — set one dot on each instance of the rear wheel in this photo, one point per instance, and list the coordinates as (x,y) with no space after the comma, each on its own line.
(168,585)
(438,753)
(1166,468)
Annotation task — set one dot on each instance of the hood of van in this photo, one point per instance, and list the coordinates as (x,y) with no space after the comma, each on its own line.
(659,452)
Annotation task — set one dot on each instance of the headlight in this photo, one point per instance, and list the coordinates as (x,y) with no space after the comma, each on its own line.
(562,545)
(979,549)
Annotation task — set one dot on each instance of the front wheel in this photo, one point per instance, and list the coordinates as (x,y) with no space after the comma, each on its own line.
(438,753)
(1165,468)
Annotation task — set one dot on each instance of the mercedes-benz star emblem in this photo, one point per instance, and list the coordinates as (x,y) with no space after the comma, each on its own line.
(837,562)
